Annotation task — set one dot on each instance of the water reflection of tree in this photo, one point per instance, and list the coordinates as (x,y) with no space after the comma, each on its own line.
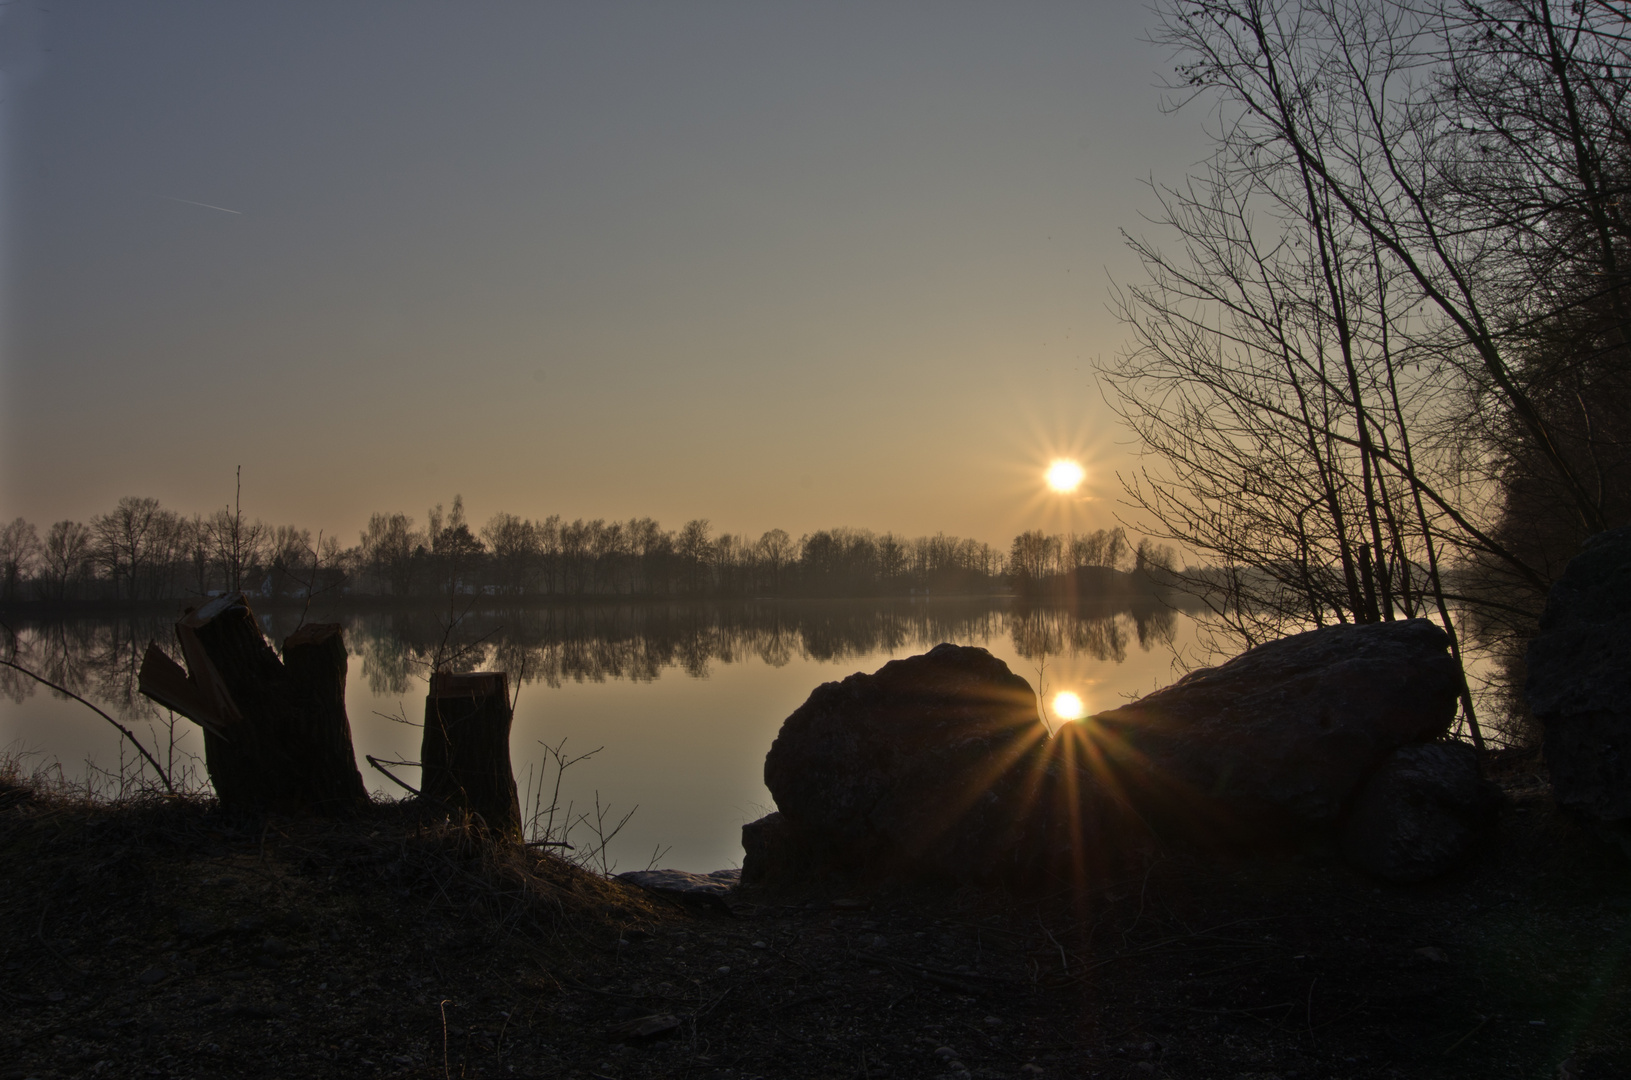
(95,658)
(1102,633)
(600,642)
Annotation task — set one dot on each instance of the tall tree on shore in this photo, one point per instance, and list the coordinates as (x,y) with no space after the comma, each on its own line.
(694,547)
(514,543)
(1333,371)
(128,540)
(19,550)
(64,559)
(387,548)
(237,541)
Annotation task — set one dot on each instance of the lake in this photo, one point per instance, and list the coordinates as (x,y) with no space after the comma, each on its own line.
(680,701)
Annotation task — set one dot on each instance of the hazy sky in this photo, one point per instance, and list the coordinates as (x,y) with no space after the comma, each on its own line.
(789,265)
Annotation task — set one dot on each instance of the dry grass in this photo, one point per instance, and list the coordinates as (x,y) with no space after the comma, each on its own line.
(150,937)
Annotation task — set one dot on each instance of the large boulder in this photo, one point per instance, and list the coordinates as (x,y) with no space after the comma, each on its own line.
(1579,681)
(1420,813)
(920,768)
(939,766)
(1281,736)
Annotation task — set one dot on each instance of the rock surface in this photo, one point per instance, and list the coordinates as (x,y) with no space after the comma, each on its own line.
(683,882)
(919,767)
(938,766)
(770,850)
(1420,813)
(1284,734)
(1579,682)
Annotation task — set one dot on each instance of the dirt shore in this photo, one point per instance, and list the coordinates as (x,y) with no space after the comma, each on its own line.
(156,939)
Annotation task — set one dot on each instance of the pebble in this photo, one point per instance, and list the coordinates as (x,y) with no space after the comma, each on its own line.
(153,976)
(724,969)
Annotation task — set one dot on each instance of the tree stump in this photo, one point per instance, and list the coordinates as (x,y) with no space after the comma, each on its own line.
(465,753)
(315,658)
(276,736)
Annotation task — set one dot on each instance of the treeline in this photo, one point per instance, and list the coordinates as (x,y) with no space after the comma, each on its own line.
(142,551)
(1074,564)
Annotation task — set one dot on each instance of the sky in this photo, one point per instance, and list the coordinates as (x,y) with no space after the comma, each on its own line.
(770,264)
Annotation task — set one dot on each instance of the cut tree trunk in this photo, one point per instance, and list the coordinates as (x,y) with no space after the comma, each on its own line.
(276,735)
(315,658)
(465,754)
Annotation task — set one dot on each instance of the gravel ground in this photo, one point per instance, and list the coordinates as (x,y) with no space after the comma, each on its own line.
(156,939)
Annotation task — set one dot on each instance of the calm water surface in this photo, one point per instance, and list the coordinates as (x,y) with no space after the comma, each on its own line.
(681,701)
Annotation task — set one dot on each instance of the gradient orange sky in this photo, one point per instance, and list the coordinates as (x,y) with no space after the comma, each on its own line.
(777,265)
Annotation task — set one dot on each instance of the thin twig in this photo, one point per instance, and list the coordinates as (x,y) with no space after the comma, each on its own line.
(372,760)
(446,1073)
(1448,1050)
(1064,965)
(126,732)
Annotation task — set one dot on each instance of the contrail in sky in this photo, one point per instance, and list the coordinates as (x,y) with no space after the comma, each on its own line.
(210,206)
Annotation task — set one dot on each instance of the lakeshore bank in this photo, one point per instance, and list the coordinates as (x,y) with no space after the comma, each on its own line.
(156,938)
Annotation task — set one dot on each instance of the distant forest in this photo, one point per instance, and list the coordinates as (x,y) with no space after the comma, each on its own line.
(141,551)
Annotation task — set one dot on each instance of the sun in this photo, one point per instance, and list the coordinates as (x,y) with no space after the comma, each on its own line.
(1068,706)
(1065,475)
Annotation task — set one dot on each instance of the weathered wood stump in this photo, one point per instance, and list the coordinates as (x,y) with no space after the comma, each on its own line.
(276,735)
(465,752)
(315,658)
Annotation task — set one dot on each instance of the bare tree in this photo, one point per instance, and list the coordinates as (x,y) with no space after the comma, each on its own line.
(125,540)
(237,542)
(65,559)
(291,559)
(514,543)
(776,551)
(1333,373)
(1033,559)
(694,547)
(454,550)
(387,548)
(652,549)
(19,552)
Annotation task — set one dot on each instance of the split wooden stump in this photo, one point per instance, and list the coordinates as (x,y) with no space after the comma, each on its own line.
(276,734)
(277,738)
(465,753)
